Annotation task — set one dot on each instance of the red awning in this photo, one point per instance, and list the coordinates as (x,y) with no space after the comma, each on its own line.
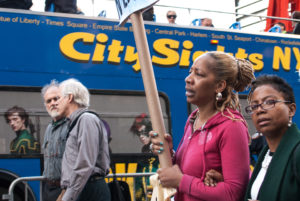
(280,8)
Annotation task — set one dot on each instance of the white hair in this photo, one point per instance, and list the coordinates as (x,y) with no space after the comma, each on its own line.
(53,83)
(77,89)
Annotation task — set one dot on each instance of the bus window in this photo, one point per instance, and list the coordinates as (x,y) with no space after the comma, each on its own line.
(117,108)
(24,142)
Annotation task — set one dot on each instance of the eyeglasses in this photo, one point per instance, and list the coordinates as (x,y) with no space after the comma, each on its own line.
(56,98)
(171,16)
(266,105)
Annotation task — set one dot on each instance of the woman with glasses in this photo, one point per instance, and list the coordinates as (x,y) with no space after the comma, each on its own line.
(215,135)
(276,176)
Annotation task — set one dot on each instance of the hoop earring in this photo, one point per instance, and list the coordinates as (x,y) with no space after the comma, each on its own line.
(219,96)
(290,122)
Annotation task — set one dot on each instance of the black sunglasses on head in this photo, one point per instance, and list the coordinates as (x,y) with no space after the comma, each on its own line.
(171,16)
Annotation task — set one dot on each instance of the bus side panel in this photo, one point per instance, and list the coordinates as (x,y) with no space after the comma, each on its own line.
(24,167)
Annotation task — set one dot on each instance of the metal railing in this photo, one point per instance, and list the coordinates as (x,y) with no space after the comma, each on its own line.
(10,195)
(233,13)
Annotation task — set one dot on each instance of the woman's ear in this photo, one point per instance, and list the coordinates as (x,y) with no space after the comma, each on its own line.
(221,85)
(292,109)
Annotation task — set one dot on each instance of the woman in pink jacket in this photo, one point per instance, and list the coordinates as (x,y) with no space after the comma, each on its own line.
(215,136)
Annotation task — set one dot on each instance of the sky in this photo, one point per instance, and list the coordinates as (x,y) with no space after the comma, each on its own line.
(184,15)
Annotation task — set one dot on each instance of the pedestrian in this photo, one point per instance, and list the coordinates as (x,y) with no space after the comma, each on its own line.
(86,158)
(276,174)
(54,142)
(216,134)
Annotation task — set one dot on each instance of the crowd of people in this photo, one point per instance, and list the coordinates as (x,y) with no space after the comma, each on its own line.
(212,161)
(75,147)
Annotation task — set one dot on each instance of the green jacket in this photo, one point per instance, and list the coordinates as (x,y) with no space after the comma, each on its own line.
(24,143)
(280,182)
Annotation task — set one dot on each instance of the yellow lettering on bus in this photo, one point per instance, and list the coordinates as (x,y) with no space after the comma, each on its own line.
(257,61)
(241,54)
(186,53)
(98,56)
(131,57)
(220,48)
(168,49)
(283,57)
(66,46)
(114,50)
(297,57)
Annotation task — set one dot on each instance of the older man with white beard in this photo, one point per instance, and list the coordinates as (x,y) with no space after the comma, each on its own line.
(54,143)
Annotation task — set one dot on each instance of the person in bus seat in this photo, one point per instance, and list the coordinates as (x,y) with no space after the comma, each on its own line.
(54,142)
(86,159)
(296,25)
(16,4)
(215,135)
(276,175)
(278,27)
(206,22)
(171,17)
(62,6)
(19,121)
(141,128)
(148,15)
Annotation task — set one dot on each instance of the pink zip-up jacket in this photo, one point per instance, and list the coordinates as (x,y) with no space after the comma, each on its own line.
(222,145)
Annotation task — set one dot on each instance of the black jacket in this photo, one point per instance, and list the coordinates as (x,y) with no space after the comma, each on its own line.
(16,4)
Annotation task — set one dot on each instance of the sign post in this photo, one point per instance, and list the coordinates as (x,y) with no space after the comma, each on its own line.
(150,85)
(133,9)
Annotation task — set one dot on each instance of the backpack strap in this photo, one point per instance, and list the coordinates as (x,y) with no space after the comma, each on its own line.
(76,119)
(294,163)
(92,112)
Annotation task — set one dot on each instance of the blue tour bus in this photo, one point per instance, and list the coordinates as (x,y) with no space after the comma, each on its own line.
(39,47)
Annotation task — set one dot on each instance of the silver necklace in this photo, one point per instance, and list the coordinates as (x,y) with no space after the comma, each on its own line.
(196,121)
(267,160)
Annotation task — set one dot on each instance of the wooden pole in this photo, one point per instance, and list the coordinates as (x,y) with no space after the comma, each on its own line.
(150,85)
